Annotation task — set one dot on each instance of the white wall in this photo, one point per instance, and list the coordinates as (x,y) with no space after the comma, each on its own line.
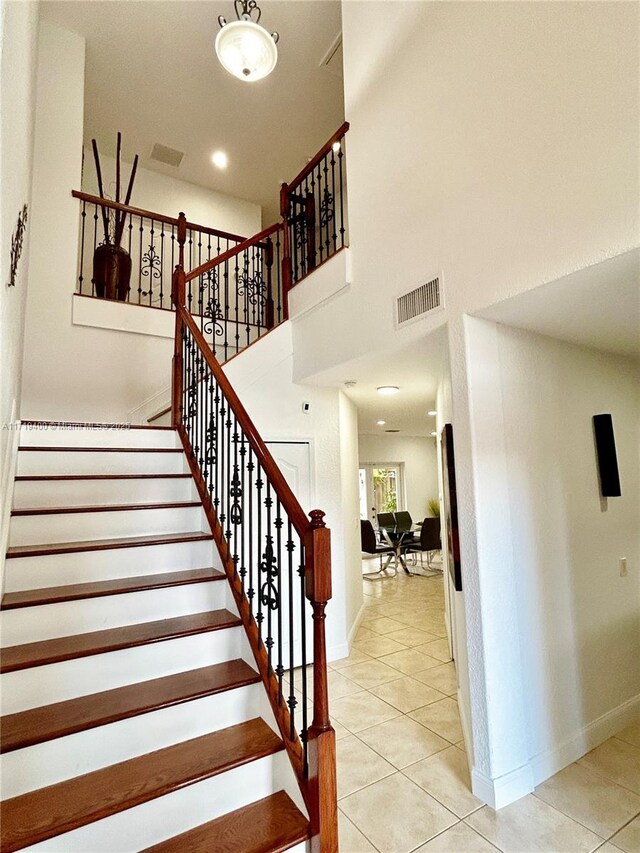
(420,465)
(262,378)
(164,194)
(18,43)
(579,620)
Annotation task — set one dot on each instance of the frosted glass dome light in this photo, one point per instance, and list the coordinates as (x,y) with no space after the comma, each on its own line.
(244,48)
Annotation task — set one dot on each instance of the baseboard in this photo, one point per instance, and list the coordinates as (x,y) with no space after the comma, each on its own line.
(466,728)
(504,790)
(8,477)
(343,650)
(545,764)
(149,407)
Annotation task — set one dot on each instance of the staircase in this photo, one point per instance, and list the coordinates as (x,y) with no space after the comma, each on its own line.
(134,715)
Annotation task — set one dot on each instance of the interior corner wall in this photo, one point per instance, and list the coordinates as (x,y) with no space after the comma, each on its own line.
(418,454)
(167,194)
(18,47)
(262,377)
(72,372)
(579,620)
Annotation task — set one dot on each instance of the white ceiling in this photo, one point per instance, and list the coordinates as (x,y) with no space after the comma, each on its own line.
(416,370)
(597,307)
(152,72)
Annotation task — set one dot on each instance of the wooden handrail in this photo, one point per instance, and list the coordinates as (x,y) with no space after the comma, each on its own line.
(158,217)
(257,240)
(281,487)
(318,157)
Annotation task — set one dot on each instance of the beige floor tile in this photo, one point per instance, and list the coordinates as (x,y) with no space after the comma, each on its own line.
(356,656)
(351,839)
(396,815)
(437,649)
(458,839)
(362,710)
(402,741)
(617,760)
(339,729)
(628,839)
(358,765)
(441,717)
(406,694)
(631,734)
(445,776)
(379,646)
(533,826)
(409,661)
(411,636)
(607,847)
(340,685)
(590,798)
(443,677)
(363,635)
(383,625)
(371,673)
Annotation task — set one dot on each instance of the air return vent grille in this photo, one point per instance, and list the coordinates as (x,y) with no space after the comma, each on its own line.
(164,154)
(420,301)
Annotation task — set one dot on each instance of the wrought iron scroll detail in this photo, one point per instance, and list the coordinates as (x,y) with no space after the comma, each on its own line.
(269,566)
(326,208)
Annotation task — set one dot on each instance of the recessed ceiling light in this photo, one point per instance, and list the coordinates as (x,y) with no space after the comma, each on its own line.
(381,423)
(432,413)
(388,389)
(220,159)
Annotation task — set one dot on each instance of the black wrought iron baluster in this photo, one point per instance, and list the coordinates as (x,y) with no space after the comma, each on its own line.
(341,167)
(243,513)
(250,469)
(83,216)
(325,205)
(245,308)
(319,203)
(278,267)
(181,412)
(259,581)
(239,287)
(334,236)
(268,590)
(225,318)
(200,404)
(303,645)
(191,266)
(161,264)
(314,195)
(130,229)
(222,495)
(278,566)
(206,452)
(291,699)
(216,479)
(235,491)
(228,425)
(173,250)
(95,244)
(141,232)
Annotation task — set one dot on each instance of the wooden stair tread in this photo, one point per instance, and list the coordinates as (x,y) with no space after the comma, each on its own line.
(270,825)
(78,591)
(67,510)
(45,813)
(105,544)
(37,725)
(98,642)
(36,448)
(41,477)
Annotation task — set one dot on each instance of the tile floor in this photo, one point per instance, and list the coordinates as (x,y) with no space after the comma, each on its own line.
(403,780)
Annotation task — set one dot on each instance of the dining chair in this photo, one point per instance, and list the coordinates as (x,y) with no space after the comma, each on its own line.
(370,545)
(429,541)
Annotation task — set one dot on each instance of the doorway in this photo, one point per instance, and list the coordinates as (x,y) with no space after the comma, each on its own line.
(381,489)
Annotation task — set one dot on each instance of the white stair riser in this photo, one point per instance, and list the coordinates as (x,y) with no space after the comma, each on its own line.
(90,566)
(108,524)
(33,494)
(140,827)
(50,436)
(43,463)
(63,758)
(44,622)
(56,682)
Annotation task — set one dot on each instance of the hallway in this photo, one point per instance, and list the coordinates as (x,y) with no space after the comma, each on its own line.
(403,782)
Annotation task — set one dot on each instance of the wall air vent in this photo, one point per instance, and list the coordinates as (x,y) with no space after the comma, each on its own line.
(422,300)
(166,155)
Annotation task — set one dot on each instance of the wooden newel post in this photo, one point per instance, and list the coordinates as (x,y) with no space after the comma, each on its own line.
(323,799)
(269,307)
(286,249)
(178,300)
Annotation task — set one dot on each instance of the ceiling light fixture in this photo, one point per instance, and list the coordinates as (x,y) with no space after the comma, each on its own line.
(388,389)
(220,159)
(335,147)
(244,48)
(381,423)
(432,413)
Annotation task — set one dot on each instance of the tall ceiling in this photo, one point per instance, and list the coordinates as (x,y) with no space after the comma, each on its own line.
(152,72)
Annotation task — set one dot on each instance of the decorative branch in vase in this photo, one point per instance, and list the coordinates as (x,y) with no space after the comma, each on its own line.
(111,262)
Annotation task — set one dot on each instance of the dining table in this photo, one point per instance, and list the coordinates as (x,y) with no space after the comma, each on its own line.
(398,537)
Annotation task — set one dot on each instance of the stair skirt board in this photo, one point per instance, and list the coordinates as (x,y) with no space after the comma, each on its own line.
(87,610)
